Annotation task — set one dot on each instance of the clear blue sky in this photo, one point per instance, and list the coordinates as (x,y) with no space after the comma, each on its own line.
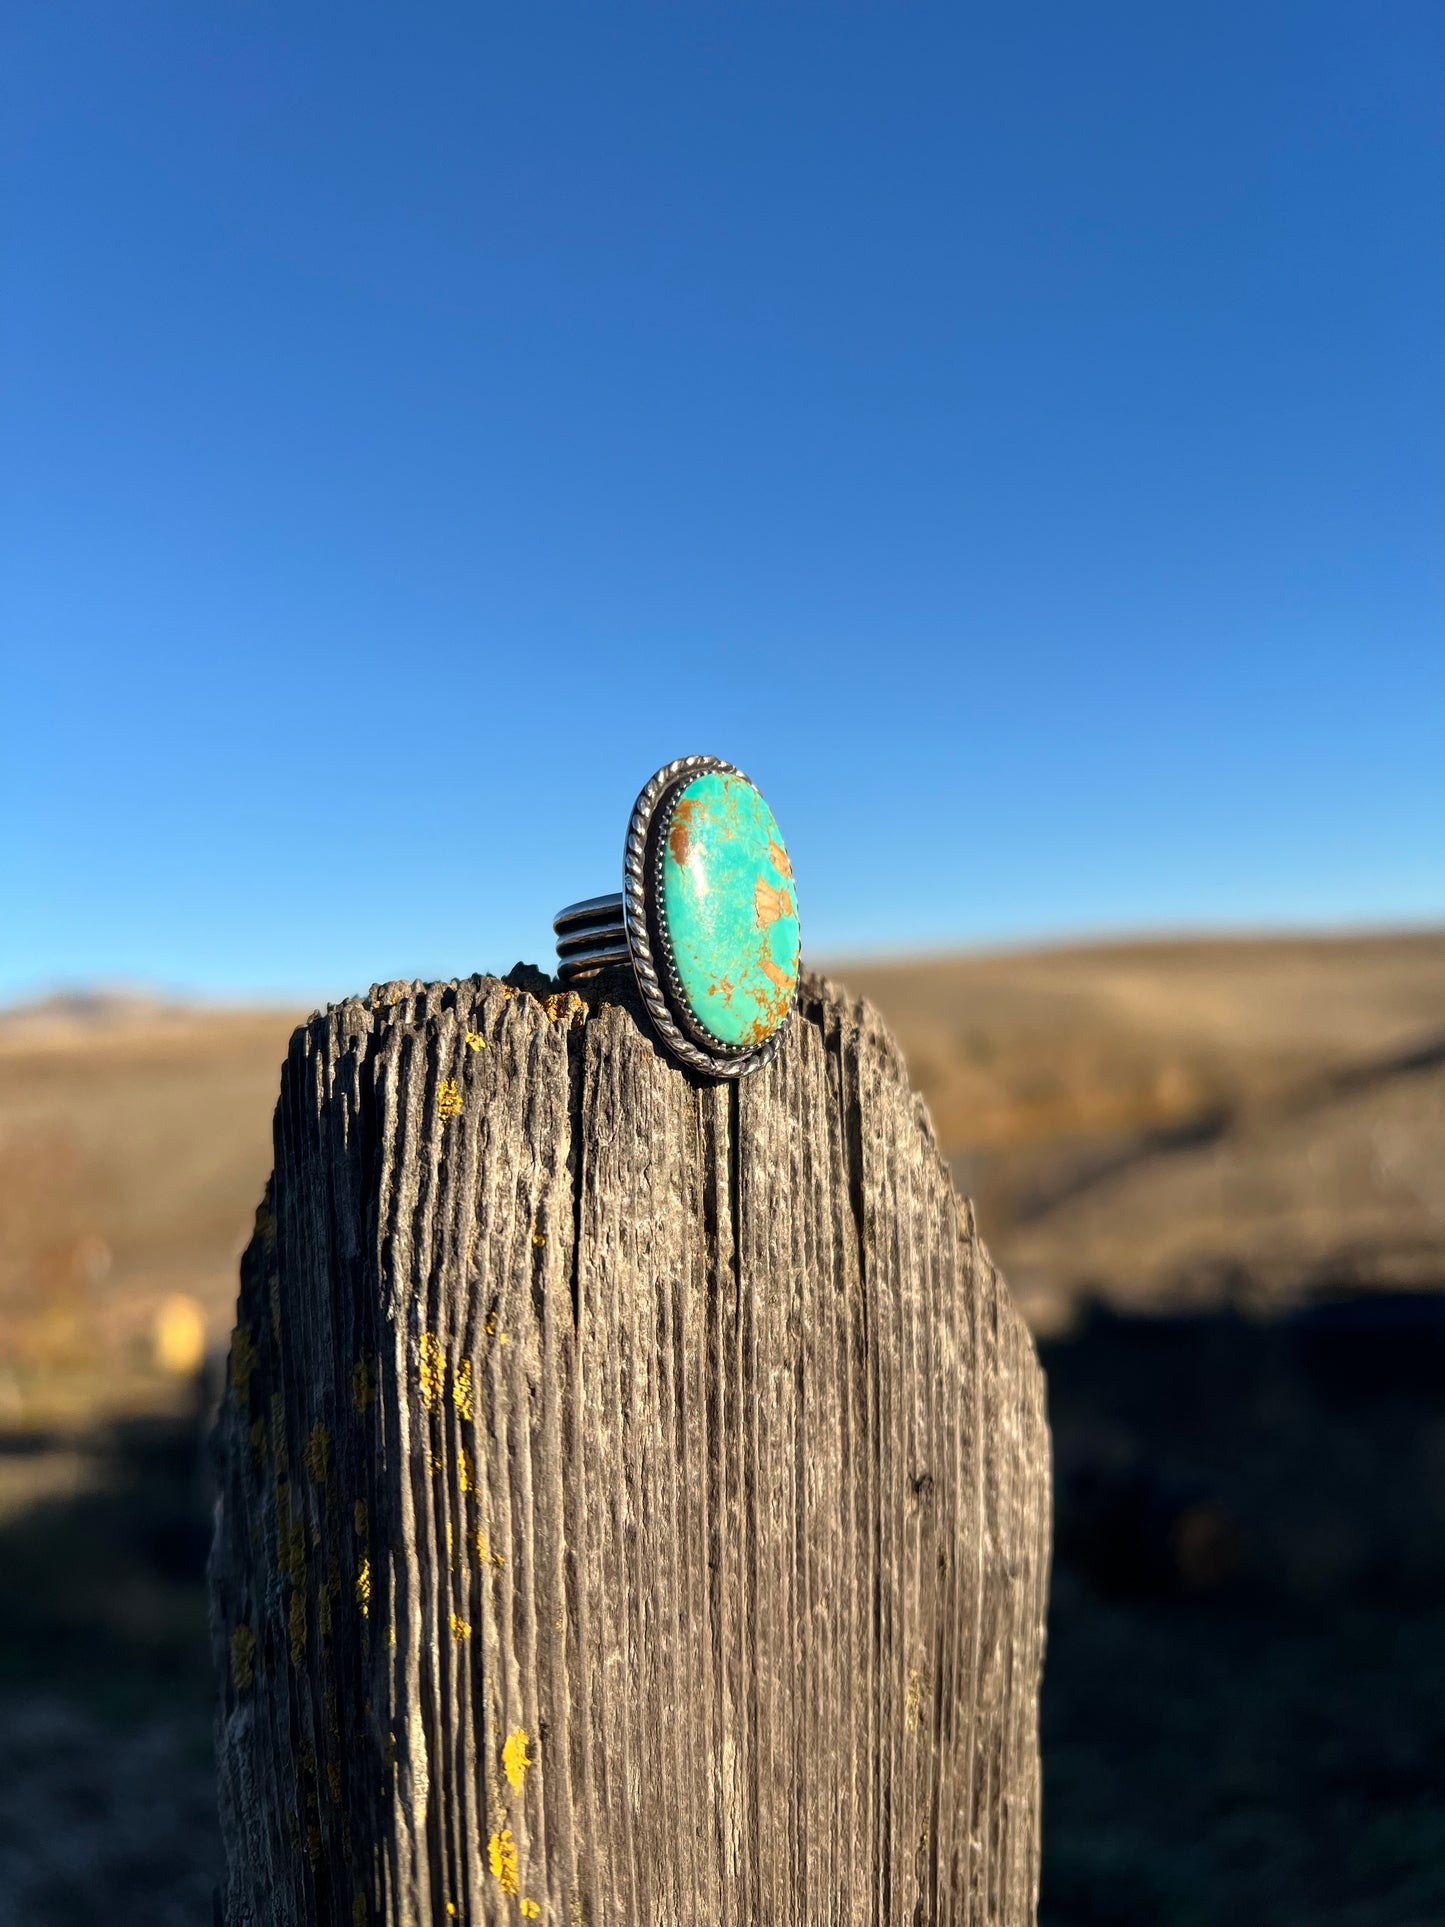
(1012,433)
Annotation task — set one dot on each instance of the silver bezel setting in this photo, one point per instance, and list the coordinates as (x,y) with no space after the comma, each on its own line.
(657,979)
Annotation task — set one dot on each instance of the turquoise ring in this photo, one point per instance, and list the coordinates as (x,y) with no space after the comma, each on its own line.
(707,917)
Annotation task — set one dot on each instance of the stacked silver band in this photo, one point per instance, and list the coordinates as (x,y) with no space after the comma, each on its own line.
(591,935)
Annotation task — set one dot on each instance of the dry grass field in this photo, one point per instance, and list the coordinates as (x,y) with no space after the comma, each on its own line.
(1213,1173)
(1190,1123)
(134,1141)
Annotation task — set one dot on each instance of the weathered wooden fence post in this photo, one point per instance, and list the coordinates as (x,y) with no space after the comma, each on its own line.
(635,1489)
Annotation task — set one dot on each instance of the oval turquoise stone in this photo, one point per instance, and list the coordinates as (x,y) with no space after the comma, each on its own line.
(729,909)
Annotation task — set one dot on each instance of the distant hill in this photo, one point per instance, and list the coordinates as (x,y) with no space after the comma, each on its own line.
(1186,1122)
(1151,1123)
(71,1013)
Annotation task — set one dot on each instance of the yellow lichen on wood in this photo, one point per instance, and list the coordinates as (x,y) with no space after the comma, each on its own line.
(317,1453)
(363,1385)
(475,1040)
(515,1758)
(363,1588)
(358,1911)
(462,1390)
(449,1099)
(502,1855)
(464,1470)
(433,1371)
(528,1909)
(461,1628)
(565,1006)
(290,1536)
(243,1658)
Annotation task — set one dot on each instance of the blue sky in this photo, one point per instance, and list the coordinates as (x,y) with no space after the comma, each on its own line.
(1013,434)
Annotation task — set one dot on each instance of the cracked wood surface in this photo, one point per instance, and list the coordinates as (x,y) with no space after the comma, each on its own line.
(634,1489)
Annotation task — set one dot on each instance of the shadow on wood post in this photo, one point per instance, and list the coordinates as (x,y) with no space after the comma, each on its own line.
(634,1489)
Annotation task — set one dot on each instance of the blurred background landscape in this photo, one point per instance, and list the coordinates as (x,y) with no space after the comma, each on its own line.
(1011,435)
(1212,1172)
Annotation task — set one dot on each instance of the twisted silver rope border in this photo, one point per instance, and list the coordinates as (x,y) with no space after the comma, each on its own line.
(722,1062)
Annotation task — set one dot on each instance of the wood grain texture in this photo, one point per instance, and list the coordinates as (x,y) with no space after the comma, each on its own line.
(634,1489)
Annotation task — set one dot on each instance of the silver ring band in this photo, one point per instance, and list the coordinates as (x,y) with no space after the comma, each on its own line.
(591,936)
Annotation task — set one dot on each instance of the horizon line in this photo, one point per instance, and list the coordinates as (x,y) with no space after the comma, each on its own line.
(158,994)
